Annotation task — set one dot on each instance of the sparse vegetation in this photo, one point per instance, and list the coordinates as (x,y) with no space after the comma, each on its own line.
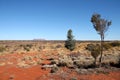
(58,46)
(115,43)
(107,46)
(83,60)
(26,48)
(49,50)
(54,69)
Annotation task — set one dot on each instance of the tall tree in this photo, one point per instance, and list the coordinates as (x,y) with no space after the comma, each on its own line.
(70,42)
(101,26)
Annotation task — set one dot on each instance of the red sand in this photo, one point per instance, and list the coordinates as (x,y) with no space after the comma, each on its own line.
(12,72)
(36,73)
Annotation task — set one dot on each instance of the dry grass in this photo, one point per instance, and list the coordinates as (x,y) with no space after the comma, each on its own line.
(81,56)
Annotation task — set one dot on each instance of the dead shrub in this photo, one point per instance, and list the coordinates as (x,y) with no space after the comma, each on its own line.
(82,64)
(65,62)
(107,46)
(54,69)
(29,45)
(74,54)
(58,46)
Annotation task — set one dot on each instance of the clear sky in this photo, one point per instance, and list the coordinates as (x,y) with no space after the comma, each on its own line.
(51,19)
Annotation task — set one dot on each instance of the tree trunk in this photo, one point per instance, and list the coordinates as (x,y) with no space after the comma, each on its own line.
(101,49)
(95,62)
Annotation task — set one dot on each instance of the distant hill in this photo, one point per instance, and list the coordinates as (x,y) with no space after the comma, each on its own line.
(40,39)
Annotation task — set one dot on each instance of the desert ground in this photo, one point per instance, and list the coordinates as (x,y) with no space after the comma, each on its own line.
(50,60)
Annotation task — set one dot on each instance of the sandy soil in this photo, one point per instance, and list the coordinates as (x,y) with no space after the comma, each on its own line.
(9,71)
(18,64)
(36,73)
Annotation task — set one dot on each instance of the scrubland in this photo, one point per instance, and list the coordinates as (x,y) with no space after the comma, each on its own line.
(50,60)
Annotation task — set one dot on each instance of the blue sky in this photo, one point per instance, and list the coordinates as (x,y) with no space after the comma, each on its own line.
(51,19)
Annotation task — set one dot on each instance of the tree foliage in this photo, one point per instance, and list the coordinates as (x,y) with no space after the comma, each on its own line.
(70,42)
(101,26)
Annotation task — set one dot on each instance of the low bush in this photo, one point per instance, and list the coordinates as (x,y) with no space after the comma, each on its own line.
(90,47)
(65,62)
(95,50)
(54,62)
(74,54)
(54,69)
(107,46)
(58,46)
(29,45)
(116,64)
(26,48)
(62,63)
(114,44)
(73,78)
(2,49)
(81,64)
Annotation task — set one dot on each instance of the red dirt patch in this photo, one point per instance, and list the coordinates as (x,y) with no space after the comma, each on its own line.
(12,72)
